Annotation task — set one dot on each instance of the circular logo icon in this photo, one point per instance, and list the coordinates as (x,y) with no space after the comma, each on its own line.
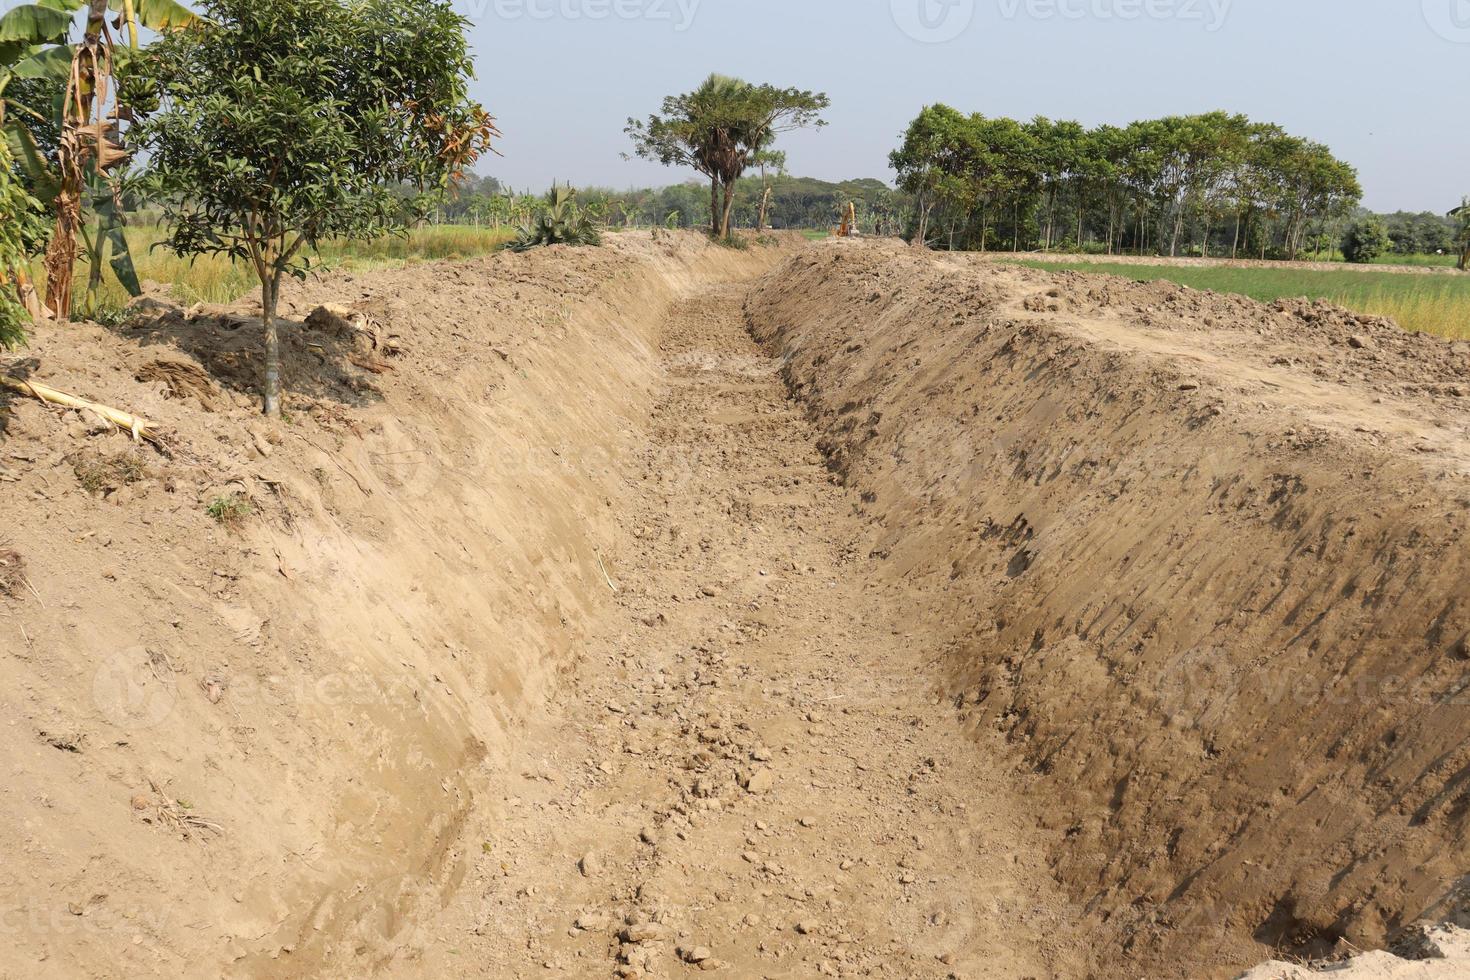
(130,691)
(1450,19)
(933,21)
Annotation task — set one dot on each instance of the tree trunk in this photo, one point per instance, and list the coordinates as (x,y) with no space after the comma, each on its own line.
(921,239)
(714,207)
(1235,245)
(95,245)
(1051,212)
(1464,262)
(725,211)
(61,254)
(760,224)
(270,291)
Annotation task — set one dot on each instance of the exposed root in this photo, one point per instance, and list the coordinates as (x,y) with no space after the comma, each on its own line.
(175,815)
(12,572)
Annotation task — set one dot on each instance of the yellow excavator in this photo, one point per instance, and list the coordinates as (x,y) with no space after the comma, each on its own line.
(849,222)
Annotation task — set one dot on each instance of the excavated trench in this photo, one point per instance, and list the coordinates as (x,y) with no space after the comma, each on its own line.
(807,611)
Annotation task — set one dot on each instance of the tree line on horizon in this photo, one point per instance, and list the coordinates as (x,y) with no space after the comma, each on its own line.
(1202,185)
(808,203)
(1207,184)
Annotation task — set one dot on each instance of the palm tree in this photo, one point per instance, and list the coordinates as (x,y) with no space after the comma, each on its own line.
(720,129)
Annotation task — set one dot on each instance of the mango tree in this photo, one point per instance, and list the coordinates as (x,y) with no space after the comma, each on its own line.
(284,123)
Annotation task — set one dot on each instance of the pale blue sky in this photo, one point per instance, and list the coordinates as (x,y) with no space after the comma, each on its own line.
(1380,81)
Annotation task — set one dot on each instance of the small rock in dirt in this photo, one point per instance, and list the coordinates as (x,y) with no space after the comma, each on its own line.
(1357,342)
(592,921)
(760,781)
(807,927)
(644,932)
(590,865)
(695,954)
(751,857)
(648,836)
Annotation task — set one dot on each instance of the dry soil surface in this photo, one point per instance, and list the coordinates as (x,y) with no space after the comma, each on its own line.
(747,773)
(662,609)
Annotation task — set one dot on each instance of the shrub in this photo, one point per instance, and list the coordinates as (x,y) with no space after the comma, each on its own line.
(100,474)
(1366,240)
(229,510)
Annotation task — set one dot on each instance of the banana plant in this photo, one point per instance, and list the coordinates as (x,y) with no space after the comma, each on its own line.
(94,104)
(1462,234)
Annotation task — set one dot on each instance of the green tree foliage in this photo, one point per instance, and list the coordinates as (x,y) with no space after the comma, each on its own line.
(18,212)
(1425,233)
(720,130)
(561,222)
(288,122)
(1366,239)
(1182,183)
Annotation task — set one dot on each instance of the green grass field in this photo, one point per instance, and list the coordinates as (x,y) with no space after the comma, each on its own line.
(1427,261)
(1428,303)
(220,280)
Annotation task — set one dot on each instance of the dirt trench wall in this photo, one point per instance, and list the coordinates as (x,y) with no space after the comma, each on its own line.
(251,750)
(1221,622)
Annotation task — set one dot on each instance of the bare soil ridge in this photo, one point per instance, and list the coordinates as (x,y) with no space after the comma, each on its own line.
(1204,563)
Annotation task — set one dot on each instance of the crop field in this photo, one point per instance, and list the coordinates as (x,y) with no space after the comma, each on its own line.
(218,279)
